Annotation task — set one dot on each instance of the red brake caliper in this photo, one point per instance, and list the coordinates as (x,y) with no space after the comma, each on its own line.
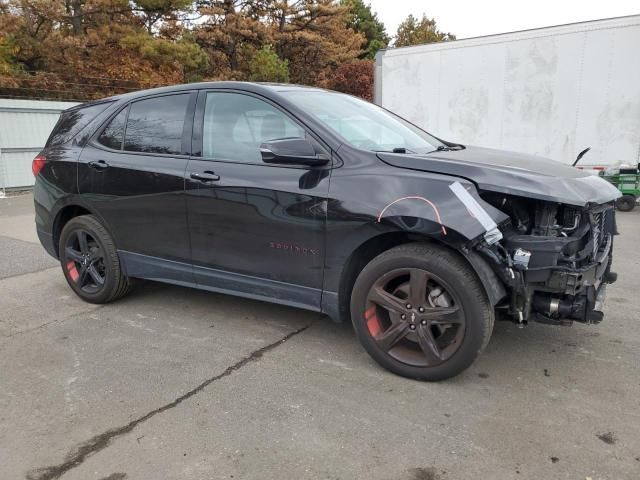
(73,272)
(373,324)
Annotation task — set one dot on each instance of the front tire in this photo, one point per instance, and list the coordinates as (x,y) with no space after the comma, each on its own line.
(421,312)
(90,261)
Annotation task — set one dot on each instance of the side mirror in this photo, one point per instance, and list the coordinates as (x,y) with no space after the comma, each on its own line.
(291,151)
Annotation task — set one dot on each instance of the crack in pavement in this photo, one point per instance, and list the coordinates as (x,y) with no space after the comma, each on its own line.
(92,309)
(103,440)
(52,322)
(22,274)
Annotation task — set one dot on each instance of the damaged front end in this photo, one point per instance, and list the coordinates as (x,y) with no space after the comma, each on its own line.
(554,259)
(547,230)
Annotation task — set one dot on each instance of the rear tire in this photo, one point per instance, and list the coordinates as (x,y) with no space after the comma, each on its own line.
(626,203)
(421,312)
(90,262)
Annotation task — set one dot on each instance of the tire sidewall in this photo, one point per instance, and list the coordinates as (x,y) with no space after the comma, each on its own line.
(626,203)
(83,223)
(473,309)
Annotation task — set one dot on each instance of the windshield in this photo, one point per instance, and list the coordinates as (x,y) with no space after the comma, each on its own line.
(363,124)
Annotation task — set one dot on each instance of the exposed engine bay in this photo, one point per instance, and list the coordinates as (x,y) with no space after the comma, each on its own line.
(554,259)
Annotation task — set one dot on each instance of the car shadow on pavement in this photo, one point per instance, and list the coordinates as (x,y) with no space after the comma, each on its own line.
(512,350)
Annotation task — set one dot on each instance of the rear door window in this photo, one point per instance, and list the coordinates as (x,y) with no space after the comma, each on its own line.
(73,121)
(155,125)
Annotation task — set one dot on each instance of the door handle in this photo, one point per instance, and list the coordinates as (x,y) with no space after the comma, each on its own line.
(99,165)
(206,176)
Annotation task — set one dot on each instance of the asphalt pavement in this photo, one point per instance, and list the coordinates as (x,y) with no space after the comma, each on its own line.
(174,383)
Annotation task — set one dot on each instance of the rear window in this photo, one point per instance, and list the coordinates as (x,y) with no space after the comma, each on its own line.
(71,122)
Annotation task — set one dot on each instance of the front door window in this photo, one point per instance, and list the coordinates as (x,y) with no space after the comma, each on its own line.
(235,125)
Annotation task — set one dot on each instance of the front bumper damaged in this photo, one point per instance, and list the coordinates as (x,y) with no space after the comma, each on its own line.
(558,279)
(576,295)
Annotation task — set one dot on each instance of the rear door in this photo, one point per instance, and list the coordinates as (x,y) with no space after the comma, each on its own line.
(255,228)
(132,174)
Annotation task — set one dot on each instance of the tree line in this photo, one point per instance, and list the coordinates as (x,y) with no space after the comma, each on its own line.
(87,49)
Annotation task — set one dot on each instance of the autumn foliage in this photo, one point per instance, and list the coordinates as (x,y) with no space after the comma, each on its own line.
(355,78)
(86,49)
(415,31)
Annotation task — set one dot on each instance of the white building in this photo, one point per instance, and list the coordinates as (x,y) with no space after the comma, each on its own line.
(24,128)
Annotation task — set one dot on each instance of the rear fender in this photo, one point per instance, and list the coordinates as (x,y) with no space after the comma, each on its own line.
(71,201)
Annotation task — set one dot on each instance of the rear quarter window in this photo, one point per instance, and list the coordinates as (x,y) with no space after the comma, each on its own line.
(113,134)
(72,122)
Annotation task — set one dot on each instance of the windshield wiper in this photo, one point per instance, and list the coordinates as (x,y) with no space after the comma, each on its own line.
(447,148)
(396,150)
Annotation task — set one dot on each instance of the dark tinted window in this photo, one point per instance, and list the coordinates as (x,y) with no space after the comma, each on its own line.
(235,126)
(114,133)
(73,121)
(155,125)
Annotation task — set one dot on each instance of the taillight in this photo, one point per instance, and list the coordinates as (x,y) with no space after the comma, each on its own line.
(37,164)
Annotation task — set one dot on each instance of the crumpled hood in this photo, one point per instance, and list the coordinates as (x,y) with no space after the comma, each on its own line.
(512,173)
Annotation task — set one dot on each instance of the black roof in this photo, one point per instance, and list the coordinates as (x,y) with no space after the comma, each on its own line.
(256,87)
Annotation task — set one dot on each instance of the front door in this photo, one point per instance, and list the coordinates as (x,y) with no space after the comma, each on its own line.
(256,228)
(132,172)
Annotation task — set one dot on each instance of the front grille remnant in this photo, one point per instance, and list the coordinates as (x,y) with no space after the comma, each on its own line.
(596,231)
(600,229)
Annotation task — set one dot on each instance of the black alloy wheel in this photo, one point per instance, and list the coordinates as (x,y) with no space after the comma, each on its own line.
(420,311)
(84,261)
(90,261)
(415,317)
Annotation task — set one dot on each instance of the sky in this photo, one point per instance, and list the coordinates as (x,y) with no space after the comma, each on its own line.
(472,18)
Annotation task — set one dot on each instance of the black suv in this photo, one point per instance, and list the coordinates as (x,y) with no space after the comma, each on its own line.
(322,201)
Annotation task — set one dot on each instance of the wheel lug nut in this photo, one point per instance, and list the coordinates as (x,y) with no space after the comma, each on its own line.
(408,305)
(421,309)
(423,322)
(412,327)
(403,316)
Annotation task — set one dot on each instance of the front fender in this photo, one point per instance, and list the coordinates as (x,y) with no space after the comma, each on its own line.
(417,204)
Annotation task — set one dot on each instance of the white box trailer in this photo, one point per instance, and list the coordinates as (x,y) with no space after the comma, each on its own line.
(550,91)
